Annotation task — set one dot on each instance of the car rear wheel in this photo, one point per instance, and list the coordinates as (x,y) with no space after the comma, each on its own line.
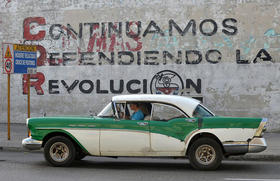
(205,154)
(59,151)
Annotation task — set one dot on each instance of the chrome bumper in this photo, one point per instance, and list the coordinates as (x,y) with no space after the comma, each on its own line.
(31,144)
(257,144)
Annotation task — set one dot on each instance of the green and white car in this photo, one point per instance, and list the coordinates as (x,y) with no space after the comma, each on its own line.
(173,126)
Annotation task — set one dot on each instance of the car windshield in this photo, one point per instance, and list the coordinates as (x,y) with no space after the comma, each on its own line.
(201,111)
(107,111)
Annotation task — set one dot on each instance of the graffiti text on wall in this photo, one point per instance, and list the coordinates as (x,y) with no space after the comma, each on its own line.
(122,43)
(163,82)
(98,43)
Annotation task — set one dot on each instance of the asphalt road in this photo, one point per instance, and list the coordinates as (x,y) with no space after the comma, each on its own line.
(23,166)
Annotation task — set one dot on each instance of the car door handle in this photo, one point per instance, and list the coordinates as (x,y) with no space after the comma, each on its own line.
(142,123)
(190,120)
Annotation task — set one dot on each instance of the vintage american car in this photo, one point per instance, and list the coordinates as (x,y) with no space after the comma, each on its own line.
(173,126)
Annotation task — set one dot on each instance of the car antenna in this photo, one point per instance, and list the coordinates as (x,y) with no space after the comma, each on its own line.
(90,113)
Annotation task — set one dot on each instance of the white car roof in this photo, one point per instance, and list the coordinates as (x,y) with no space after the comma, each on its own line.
(186,104)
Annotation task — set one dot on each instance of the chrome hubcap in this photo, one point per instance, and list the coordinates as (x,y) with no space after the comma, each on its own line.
(205,154)
(59,151)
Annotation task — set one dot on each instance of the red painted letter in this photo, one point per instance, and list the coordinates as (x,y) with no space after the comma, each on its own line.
(26,28)
(43,55)
(40,79)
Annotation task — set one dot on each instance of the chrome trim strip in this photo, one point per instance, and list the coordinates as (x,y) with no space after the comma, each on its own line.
(87,128)
(103,129)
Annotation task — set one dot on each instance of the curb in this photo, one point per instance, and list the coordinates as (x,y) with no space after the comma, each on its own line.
(5,148)
(18,149)
(273,158)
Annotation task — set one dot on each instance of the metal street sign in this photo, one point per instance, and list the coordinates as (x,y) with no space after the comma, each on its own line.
(8,59)
(25,59)
(17,58)
(21,59)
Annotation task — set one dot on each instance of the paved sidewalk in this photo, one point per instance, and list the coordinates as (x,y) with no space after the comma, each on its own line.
(19,132)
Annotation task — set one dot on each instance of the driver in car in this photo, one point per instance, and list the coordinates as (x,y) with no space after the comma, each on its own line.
(138,114)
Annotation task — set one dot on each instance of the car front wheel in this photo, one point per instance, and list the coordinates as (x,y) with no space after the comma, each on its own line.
(205,154)
(59,151)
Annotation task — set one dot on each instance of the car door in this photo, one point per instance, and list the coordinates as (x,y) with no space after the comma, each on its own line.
(124,137)
(168,128)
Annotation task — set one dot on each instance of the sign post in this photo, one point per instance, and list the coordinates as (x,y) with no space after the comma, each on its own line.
(20,59)
(8,68)
(9,107)
(28,100)
(26,63)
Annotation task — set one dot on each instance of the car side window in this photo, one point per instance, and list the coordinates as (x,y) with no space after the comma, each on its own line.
(164,112)
(126,111)
(200,111)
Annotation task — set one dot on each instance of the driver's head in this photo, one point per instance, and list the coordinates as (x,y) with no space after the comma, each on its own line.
(134,106)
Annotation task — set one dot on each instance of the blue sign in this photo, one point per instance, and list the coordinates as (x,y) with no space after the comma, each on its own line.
(25,59)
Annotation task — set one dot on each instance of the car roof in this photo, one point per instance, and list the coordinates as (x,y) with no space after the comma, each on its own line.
(184,103)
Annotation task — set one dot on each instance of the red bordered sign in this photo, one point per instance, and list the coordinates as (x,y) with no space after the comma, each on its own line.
(8,65)
(8,58)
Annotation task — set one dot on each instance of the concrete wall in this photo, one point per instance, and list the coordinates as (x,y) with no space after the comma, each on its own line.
(223,52)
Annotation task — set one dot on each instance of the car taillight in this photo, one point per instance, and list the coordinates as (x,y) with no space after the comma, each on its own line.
(261,128)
